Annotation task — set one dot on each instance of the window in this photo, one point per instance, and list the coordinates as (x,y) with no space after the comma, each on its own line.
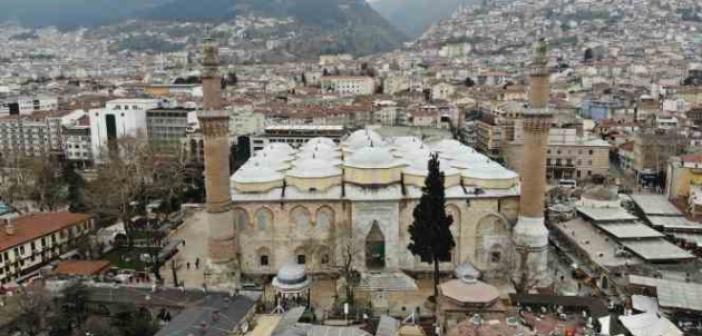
(591,152)
(263,261)
(495,257)
(301,259)
(325,259)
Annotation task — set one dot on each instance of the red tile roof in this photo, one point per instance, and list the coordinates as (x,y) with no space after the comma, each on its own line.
(82,267)
(31,227)
(692,158)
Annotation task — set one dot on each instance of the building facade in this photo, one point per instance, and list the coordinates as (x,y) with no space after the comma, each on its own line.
(309,206)
(28,105)
(30,136)
(120,118)
(30,242)
(348,85)
(166,128)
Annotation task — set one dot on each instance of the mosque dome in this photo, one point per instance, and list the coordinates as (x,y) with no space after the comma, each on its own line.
(363,138)
(420,166)
(496,177)
(320,141)
(256,174)
(373,158)
(407,142)
(275,163)
(313,168)
(447,145)
(290,278)
(467,273)
(277,149)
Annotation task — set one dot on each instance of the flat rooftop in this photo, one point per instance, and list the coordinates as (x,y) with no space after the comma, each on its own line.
(655,204)
(657,250)
(606,214)
(630,230)
(674,223)
(597,245)
(672,294)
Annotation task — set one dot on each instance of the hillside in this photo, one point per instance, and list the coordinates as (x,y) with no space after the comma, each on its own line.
(323,25)
(413,17)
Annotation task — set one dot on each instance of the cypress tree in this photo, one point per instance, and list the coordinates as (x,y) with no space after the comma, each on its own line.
(430,236)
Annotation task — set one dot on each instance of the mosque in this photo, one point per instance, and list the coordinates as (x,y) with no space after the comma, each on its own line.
(327,203)
(308,205)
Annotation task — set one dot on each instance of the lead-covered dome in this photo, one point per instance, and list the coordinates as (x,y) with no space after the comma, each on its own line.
(291,278)
(373,158)
(363,138)
(313,168)
(256,178)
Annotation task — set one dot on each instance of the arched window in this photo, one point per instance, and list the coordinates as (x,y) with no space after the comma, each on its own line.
(264,219)
(241,219)
(264,257)
(493,236)
(325,219)
(301,218)
(325,256)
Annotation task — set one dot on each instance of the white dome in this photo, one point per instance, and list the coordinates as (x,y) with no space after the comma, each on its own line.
(447,145)
(500,173)
(420,167)
(320,141)
(319,151)
(311,168)
(373,157)
(275,163)
(291,277)
(278,147)
(256,174)
(461,153)
(475,162)
(413,154)
(407,142)
(364,138)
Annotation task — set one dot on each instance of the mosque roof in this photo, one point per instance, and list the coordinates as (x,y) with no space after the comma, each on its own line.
(256,174)
(373,157)
(310,168)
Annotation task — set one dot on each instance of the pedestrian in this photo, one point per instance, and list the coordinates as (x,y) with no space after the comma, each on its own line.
(183,242)
(187,265)
(197,263)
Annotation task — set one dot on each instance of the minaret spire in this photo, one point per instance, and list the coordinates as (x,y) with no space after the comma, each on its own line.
(530,234)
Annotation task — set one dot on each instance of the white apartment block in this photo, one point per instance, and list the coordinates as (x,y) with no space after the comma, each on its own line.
(29,242)
(120,118)
(27,105)
(31,137)
(348,85)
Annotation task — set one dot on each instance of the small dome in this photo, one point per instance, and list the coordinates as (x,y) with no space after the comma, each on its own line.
(419,166)
(277,147)
(373,157)
(256,174)
(291,278)
(266,161)
(320,141)
(463,153)
(407,142)
(311,168)
(475,164)
(447,145)
(320,151)
(500,173)
(364,138)
(466,273)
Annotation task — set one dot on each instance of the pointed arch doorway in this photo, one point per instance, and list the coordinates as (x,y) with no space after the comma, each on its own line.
(375,248)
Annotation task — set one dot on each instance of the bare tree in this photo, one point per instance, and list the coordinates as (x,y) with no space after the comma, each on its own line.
(176,265)
(34,307)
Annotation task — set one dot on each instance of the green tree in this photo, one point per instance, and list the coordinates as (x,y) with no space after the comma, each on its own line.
(430,235)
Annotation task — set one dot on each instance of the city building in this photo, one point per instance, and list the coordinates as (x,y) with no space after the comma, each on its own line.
(35,135)
(28,105)
(76,138)
(348,85)
(29,242)
(166,128)
(295,135)
(682,174)
(120,118)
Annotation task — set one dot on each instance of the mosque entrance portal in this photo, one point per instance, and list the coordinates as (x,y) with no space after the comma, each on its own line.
(375,248)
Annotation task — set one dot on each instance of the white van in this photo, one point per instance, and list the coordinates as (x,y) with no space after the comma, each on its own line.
(567,183)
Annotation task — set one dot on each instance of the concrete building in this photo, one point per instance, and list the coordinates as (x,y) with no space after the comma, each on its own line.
(295,135)
(222,264)
(166,128)
(348,85)
(28,105)
(76,139)
(682,174)
(120,118)
(35,135)
(530,233)
(30,242)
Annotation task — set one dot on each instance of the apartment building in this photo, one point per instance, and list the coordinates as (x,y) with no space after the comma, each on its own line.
(29,242)
(348,85)
(27,105)
(35,135)
(166,128)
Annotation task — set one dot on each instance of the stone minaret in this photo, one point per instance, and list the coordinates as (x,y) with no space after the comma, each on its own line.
(214,123)
(530,234)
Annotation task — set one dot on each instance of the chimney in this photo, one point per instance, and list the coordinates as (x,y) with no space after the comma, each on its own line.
(9,227)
